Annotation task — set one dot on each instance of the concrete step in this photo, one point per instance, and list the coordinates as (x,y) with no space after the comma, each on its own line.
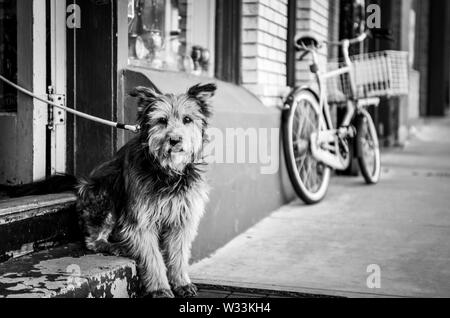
(31,224)
(68,272)
(71,272)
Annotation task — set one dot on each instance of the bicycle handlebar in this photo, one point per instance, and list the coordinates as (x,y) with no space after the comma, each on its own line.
(376,33)
(361,38)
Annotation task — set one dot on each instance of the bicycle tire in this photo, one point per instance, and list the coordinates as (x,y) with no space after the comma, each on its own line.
(371,171)
(301,100)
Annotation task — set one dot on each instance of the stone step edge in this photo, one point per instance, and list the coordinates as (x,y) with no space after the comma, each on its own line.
(68,272)
(17,209)
(32,224)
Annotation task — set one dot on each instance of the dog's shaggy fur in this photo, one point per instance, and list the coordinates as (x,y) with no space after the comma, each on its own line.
(147,202)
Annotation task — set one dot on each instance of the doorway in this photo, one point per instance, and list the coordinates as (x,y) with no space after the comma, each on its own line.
(34,61)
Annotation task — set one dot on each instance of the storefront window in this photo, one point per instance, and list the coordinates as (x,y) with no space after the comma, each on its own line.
(8,54)
(161,36)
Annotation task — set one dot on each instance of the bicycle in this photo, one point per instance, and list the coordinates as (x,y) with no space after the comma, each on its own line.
(312,146)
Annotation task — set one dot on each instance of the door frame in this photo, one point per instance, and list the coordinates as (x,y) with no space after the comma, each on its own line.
(58,79)
(31,116)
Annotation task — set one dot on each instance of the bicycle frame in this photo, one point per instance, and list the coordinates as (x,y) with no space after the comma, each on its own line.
(337,135)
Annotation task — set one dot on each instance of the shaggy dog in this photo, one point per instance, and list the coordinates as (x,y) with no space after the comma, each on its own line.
(146,203)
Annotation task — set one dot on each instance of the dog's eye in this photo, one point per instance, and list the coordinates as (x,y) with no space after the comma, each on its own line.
(162,121)
(187,120)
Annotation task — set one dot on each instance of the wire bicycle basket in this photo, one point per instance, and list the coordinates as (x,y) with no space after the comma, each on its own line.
(377,74)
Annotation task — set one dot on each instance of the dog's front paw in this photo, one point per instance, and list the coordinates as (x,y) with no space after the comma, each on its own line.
(162,293)
(187,291)
(119,251)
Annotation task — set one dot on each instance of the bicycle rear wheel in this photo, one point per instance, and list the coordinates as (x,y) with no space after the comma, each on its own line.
(309,177)
(369,156)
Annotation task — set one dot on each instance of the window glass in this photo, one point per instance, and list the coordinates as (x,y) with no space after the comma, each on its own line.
(8,54)
(160,37)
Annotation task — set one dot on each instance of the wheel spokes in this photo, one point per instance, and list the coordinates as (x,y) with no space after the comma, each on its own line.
(305,124)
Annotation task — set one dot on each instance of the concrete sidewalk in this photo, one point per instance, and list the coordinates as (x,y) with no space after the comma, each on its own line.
(401,225)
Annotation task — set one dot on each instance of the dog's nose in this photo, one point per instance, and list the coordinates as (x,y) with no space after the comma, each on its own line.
(175,140)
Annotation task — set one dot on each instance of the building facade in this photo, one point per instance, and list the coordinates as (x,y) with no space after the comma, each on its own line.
(91,52)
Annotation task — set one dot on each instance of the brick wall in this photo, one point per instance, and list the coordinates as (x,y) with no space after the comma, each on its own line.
(312,17)
(264,44)
(264,49)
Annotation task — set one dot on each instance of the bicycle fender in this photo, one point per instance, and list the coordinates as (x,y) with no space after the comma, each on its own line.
(290,98)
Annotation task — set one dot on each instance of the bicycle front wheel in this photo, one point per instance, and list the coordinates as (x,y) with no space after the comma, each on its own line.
(309,177)
(368,148)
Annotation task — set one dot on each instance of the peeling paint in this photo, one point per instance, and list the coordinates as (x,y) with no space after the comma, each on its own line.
(46,275)
(119,288)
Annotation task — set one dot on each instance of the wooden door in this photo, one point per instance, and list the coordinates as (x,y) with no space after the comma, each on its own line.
(92,84)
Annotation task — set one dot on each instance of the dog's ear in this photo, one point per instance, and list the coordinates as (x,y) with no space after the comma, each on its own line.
(145,95)
(203,93)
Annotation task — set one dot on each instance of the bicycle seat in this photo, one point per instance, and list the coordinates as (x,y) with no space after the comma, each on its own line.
(307,39)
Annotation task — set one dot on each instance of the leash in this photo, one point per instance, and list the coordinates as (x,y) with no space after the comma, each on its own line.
(133,128)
